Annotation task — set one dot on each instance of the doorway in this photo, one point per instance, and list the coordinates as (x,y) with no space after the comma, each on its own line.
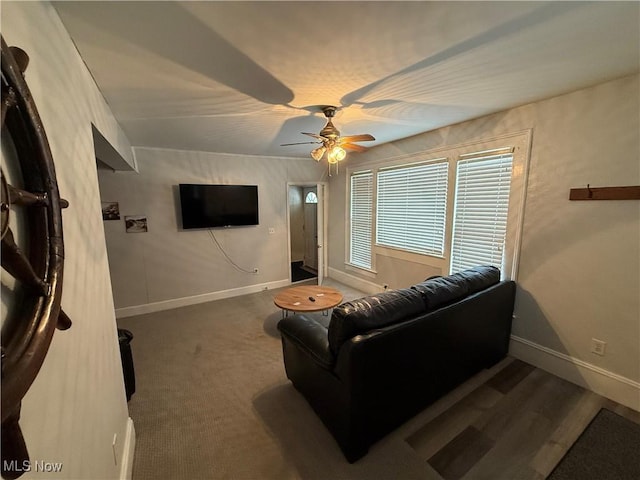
(310,229)
(306,231)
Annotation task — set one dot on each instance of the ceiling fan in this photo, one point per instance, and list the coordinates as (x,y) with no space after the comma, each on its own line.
(331,142)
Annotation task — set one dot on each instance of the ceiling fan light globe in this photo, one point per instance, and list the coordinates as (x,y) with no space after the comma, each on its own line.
(336,154)
(317,153)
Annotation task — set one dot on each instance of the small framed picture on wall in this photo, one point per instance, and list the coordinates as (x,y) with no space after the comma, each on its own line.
(110,211)
(135,223)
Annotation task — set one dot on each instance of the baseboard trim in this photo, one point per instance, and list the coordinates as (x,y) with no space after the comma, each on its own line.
(195,299)
(353,281)
(603,382)
(126,465)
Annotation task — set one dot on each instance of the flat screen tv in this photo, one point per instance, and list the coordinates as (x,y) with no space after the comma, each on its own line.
(207,206)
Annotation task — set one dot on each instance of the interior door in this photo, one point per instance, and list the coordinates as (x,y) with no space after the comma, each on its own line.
(320,226)
(310,228)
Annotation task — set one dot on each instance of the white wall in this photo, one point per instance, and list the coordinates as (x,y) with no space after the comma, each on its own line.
(77,402)
(579,275)
(168,266)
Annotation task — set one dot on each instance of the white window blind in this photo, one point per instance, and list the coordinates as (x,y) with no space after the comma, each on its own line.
(411,207)
(480,215)
(360,216)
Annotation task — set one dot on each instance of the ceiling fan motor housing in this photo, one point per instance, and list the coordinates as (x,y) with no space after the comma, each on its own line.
(329,130)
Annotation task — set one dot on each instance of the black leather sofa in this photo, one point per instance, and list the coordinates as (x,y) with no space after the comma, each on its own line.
(384,358)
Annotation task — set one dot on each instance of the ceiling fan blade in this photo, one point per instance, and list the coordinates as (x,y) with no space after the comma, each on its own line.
(354,147)
(298,143)
(317,153)
(319,137)
(365,137)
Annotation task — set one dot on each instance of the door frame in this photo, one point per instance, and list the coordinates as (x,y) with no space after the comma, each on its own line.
(322,193)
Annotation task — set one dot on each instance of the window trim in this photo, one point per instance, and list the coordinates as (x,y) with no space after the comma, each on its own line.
(520,141)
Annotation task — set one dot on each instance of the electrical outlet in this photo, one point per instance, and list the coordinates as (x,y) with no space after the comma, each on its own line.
(272,231)
(598,347)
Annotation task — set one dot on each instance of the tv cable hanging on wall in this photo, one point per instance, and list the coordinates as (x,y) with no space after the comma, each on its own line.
(227,257)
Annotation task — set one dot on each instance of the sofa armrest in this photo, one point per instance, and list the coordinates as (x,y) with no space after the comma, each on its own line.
(308,335)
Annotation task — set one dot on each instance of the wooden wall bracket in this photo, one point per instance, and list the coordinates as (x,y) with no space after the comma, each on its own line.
(605,193)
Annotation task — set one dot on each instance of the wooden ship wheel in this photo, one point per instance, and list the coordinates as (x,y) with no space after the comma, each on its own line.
(32,252)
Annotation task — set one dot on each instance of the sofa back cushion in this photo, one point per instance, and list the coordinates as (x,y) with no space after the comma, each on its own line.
(479,278)
(376,311)
(439,291)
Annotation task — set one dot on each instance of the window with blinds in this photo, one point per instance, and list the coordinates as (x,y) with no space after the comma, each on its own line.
(360,219)
(411,207)
(480,213)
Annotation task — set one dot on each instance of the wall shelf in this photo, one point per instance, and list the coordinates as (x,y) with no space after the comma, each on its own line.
(605,193)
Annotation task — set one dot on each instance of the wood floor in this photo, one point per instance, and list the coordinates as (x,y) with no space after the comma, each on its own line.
(518,424)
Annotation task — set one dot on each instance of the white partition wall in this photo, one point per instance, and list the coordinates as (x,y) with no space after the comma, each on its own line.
(75,413)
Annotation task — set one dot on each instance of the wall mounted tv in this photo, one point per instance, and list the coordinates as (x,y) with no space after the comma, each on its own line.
(207,206)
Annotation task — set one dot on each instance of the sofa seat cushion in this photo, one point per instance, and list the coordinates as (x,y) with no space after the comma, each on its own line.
(376,311)
(440,291)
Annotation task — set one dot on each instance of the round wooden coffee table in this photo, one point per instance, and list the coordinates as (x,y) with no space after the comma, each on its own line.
(299,299)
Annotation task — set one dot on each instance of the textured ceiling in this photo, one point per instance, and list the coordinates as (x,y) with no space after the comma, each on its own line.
(244,77)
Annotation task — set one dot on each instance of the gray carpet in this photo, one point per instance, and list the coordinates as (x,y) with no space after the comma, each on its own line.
(607,449)
(213,401)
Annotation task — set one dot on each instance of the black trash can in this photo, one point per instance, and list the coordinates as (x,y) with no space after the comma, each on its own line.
(124,338)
